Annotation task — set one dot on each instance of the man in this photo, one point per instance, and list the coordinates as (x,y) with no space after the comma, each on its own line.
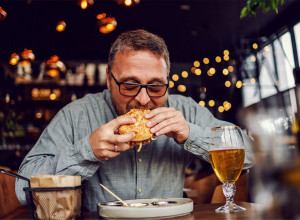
(83,140)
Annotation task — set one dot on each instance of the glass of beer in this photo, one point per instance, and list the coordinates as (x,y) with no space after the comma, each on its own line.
(226,155)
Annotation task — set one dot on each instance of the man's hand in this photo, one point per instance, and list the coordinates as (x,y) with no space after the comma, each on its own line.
(170,122)
(104,139)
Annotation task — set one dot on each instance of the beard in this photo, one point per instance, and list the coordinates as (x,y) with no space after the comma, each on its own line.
(135,104)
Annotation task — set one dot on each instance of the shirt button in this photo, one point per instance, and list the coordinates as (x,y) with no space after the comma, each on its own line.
(140,160)
(139,190)
(189,147)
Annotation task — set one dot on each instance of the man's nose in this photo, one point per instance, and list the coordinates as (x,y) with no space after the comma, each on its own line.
(143,97)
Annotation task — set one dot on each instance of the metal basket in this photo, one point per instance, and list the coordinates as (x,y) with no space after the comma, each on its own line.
(40,194)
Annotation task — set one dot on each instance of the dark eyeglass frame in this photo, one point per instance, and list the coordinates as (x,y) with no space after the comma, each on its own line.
(141,86)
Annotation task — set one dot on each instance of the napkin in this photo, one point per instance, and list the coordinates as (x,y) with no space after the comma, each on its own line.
(57,204)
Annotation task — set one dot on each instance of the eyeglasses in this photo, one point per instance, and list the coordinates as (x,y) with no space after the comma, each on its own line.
(132,89)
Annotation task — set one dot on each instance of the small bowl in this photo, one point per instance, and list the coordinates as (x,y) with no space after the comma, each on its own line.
(164,203)
(112,203)
(139,204)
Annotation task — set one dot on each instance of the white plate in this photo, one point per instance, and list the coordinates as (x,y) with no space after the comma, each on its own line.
(147,208)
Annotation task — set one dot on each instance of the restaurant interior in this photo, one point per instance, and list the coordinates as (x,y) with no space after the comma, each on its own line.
(240,61)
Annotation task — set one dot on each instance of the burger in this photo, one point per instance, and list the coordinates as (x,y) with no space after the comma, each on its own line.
(143,133)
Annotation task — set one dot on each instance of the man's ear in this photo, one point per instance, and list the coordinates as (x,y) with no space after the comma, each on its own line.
(108,80)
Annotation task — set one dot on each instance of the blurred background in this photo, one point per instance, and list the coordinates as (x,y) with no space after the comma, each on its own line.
(238,58)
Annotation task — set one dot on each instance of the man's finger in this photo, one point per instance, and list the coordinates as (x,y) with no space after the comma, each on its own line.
(156,111)
(123,138)
(121,147)
(115,123)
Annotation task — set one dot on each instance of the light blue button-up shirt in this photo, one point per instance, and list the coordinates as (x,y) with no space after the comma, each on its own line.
(157,171)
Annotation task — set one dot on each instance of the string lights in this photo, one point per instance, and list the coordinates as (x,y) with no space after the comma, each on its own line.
(211,70)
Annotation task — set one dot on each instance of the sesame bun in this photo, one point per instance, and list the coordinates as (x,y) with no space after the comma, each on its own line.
(143,133)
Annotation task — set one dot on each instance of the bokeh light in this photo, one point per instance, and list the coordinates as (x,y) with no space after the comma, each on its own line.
(175,77)
(198,72)
(196,63)
(211,103)
(184,74)
(202,103)
(206,61)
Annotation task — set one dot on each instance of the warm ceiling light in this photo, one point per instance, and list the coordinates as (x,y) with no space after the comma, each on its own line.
(84,4)
(14,59)
(175,77)
(171,84)
(198,72)
(218,59)
(206,61)
(3,14)
(196,63)
(101,16)
(106,24)
(255,46)
(27,57)
(61,26)
(202,103)
(221,109)
(109,27)
(54,66)
(211,103)
(181,88)
(128,3)
(53,72)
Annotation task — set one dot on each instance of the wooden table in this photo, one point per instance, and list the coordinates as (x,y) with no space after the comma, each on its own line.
(206,211)
(201,211)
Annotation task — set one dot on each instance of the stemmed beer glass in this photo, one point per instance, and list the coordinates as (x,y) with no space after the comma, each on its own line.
(227,154)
